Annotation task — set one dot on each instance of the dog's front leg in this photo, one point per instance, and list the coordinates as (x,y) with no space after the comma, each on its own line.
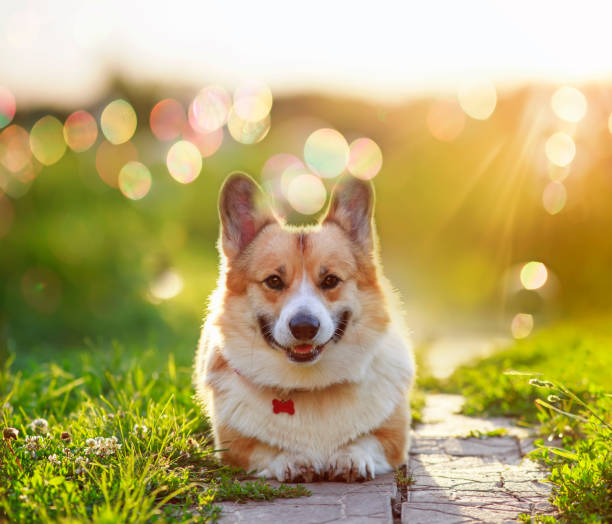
(376,453)
(267,461)
(360,460)
(286,466)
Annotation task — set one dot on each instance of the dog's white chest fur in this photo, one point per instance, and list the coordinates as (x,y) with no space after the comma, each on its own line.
(318,426)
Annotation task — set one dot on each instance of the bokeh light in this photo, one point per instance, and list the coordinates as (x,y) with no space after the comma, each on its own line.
(273,170)
(12,186)
(207,143)
(209,109)
(554,197)
(166,285)
(569,104)
(445,120)
(306,194)
(118,121)
(247,131)
(18,168)
(42,289)
(7,214)
(560,149)
(326,152)
(110,159)
(134,180)
(15,150)
(533,275)
(522,325)
(365,158)
(167,119)
(184,162)
(253,102)
(47,140)
(478,99)
(557,173)
(289,174)
(7,107)
(80,131)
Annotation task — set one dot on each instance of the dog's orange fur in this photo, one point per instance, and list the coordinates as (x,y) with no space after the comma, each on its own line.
(236,448)
(393,434)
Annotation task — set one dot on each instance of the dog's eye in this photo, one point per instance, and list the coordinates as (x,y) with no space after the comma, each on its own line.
(274,282)
(330,282)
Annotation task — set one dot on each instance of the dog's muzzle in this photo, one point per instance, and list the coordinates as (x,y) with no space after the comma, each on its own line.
(304,328)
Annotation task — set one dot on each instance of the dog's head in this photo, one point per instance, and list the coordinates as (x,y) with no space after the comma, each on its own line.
(302,303)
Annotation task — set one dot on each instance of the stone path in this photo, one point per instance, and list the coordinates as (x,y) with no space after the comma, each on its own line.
(453,480)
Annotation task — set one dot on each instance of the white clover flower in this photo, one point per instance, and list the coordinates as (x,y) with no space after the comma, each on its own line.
(140,431)
(80,462)
(67,452)
(7,407)
(53,459)
(102,446)
(33,442)
(39,425)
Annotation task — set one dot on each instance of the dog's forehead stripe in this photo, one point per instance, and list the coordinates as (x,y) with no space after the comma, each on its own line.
(302,240)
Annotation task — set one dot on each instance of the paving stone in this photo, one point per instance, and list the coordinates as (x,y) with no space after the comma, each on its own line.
(441,417)
(367,502)
(435,513)
(457,480)
(296,513)
(469,447)
(450,488)
(368,506)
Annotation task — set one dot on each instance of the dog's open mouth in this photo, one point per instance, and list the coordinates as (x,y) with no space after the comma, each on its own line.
(304,352)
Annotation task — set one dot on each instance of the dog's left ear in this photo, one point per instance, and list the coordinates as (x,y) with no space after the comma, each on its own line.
(351,207)
(243,212)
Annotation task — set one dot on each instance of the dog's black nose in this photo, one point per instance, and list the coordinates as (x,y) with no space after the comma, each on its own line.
(304,326)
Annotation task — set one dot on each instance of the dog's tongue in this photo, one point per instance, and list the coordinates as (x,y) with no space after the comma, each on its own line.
(303,348)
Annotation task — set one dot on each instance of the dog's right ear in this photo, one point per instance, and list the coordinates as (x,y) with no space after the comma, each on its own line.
(243,213)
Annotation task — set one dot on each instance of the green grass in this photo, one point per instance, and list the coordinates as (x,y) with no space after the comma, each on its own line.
(121,441)
(558,381)
(580,357)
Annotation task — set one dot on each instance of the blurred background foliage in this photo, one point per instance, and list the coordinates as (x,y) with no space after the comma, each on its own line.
(460,211)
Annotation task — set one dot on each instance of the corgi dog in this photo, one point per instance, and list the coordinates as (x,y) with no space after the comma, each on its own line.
(302,364)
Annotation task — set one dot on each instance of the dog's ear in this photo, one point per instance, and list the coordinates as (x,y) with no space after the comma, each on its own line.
(243,212)
(351,207)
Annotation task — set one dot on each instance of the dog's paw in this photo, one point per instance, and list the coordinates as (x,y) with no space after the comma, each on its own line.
(350,465)
(291,468)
